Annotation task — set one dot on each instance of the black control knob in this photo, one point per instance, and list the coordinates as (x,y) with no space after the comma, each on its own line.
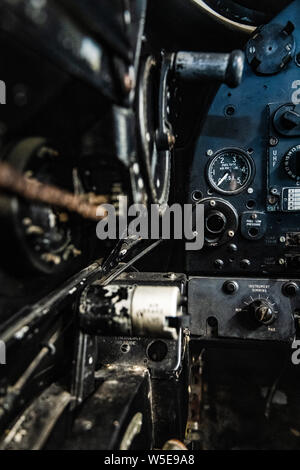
(286,120)
(245,263)
(290,289)
(232,248)
(290,119)
(262,311)
(292,162)
(271,48)
(230,287)
(219,263)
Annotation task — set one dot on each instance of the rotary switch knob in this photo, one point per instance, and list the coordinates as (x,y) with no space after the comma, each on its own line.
(286,120)
(292,162)
(262,311)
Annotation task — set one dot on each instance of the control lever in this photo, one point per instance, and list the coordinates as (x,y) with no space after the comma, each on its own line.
(195,66)
(286,120)
(227,68)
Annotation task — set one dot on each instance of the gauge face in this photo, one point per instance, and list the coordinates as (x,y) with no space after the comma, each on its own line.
(230,171)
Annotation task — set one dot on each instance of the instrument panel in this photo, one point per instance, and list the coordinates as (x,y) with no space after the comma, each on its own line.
(246,167)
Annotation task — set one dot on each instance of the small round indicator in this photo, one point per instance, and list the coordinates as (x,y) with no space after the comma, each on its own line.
(230,171)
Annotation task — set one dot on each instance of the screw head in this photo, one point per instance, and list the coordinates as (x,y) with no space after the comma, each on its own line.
(172,276)
(209,152)
(273,141)
(171,140)
(128,82)
(272,200)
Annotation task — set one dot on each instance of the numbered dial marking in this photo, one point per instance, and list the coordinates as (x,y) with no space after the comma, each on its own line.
(230,171)
(292,163)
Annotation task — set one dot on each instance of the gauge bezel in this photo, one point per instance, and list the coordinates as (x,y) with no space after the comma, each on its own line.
(244,154)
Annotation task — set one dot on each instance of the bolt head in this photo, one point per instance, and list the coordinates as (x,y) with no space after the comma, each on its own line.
(273,141)
(171,140)
(128,83)
(172,276)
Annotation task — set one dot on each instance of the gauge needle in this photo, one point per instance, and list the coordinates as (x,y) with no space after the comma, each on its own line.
(222,179)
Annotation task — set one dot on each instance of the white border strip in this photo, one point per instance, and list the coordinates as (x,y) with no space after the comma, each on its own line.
(222,19)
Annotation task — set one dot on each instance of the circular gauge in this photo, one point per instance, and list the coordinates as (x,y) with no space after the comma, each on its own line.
(230,171)
(292,163)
